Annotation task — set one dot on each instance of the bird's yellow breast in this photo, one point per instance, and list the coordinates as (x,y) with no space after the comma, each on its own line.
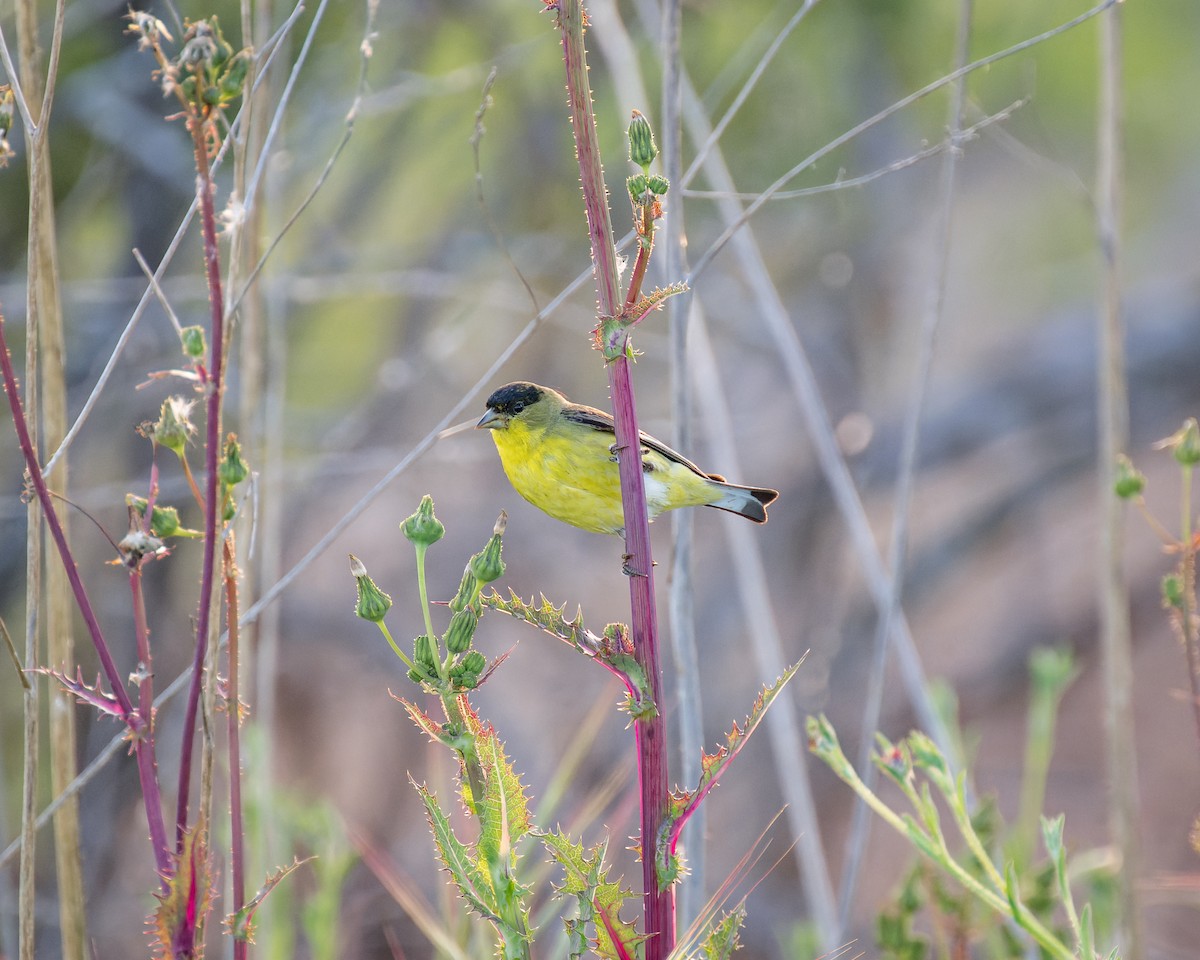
(570,472)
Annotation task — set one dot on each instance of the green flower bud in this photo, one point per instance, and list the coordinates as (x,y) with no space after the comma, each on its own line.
(658,185)
(423,528)
(487,564)
(1051,669)
(224,48)
(1172,591)
(1187,443)
(232,470)
(468,590)
(474,662)
(425,652)
(195,346)
(462,628)
(642,148)
(373,604)
(1129,480)
(233,79)
(470,669)
(164,521)
(637,187)
(174,427)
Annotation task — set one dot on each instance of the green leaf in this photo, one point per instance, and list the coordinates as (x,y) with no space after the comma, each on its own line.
(599,900)
(683,803)
(241,924)
(722,939)
(611,648)
(473,885)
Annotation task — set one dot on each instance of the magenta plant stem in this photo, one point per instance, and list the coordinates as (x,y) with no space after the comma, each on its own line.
(213,386)
(651,733)
(136,721)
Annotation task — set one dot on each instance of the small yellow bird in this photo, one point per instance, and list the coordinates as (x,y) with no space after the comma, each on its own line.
(560,456)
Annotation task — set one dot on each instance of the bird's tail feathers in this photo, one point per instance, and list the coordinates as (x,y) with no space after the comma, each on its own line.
(749,502)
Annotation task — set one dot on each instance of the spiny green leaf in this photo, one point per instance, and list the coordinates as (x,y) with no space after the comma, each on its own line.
(505,807)
(241,924)
(609,648)
(472,885)
(599,900)
(188,897)
(683,803)
(722,939)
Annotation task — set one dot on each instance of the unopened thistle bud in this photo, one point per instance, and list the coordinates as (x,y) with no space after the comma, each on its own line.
(1051,670)
(425,653)
(472,667)
(461,630)
(637,187)
(1129,480)
(174,427)
(423,528)
(373,604)
(642,148)
(193,342)
(232,469)
(1187,443)
(658,185)
(468,590)
(233,77)
(487,564)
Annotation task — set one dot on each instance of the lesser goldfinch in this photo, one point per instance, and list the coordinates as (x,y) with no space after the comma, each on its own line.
(561,457)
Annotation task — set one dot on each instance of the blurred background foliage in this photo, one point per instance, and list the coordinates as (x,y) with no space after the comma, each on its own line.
(390,298)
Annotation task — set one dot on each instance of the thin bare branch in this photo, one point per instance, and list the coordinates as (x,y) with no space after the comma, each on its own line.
(158,291)
(786,732)
(14,82)
(949,143)
(890,609)
(878,118)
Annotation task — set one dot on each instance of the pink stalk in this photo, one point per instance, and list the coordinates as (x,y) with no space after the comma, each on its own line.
(651,734)
(141,732)
(214,386)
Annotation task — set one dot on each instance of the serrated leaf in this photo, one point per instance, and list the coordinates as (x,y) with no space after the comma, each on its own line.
(241,924)
(432,728)
(609,653)
(683,803)
(722,939)
(503,814)
(622,936)
(599,900)
(93,695)
(473,886)
(505,809)
(178,923)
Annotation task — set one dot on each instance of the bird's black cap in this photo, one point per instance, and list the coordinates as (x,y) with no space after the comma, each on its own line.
(511,394)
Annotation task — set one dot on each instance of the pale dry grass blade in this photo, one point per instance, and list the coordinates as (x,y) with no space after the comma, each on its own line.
(788,741)
(1113,423)
(931,320)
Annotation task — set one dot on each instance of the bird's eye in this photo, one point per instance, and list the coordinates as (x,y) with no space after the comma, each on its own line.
(518,406)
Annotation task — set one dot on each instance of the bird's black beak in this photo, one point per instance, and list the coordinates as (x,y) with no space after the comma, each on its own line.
(491,421)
